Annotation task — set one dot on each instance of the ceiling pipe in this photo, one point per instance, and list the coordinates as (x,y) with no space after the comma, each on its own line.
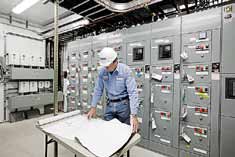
(125,7)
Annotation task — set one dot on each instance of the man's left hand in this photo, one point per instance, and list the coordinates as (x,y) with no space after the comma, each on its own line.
(134,124)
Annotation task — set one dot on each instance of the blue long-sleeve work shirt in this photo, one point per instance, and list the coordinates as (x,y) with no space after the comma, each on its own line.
(119,84)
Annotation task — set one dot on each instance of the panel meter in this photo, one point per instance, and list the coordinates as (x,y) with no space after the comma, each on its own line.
(165,52)
(138,54)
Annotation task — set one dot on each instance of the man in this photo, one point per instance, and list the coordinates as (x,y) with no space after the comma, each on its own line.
(120,87)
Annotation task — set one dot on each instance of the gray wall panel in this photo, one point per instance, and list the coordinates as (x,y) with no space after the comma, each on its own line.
(32,100)
(203,20)
(227,137)
(228,46)
(31,74)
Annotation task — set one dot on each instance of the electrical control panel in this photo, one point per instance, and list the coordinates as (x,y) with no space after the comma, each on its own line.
(162,50)
(197,47)
(136,52)
(161,127)
(162,96)
(199,94)
(137,45)
(163,73)
(195,139)
(177,66)
(196,73)
(25,75)
(197,114)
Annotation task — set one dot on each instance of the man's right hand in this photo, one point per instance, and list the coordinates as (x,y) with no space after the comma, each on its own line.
(91,113)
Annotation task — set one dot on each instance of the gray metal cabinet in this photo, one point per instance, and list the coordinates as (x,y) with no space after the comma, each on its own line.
(199,138)
(197,72)
(163,50)
(164,71)
(198,94)
(228,95)
(162,96)
(227,137)
(197,46)
(161,127)
(137,52)
(195,114)
(32,100)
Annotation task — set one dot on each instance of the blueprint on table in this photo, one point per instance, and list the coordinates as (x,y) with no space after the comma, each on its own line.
(102,138)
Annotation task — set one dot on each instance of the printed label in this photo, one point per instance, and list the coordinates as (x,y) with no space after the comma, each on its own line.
(215,76)
(165,141)
(201,52)
(202,73)
(200,150)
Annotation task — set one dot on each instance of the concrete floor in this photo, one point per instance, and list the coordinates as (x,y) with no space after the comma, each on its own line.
(23,139)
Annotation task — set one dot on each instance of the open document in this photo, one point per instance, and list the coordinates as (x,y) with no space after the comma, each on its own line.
(102,138)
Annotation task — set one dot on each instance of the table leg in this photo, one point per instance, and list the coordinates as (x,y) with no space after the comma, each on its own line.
(55,149)
(128,153)
(46,139)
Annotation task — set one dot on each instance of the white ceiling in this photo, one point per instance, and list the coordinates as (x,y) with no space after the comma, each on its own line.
(40,13)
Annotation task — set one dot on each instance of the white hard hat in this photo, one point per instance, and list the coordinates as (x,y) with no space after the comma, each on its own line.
(107,56)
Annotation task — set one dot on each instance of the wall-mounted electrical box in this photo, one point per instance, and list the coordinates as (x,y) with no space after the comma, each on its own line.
(24,87)
(13,59)
(24,59)
(33,86)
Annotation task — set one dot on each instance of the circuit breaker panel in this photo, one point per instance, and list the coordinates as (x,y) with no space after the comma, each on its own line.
(83,69)
(137,48)
(165,51)
(26,85)
(85,48)
(199,51)
(227,83)
(72,90)
(184,71)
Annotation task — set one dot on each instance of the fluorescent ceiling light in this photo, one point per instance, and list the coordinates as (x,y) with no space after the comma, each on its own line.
(81,23)
(23,5)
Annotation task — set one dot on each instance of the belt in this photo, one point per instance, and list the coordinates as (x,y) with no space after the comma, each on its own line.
(119,99)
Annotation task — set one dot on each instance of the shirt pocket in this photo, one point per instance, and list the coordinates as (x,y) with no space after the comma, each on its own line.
(120,84)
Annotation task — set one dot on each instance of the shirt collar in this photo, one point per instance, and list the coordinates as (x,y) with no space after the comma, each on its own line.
(116,70)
